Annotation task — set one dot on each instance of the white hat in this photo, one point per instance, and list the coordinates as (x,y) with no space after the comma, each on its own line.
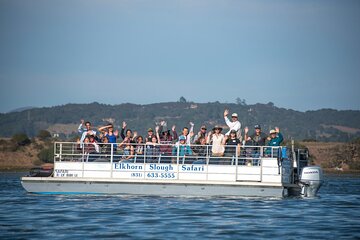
(272,131)
(234,115)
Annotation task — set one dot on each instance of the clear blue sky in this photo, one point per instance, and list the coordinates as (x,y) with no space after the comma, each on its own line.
(303,55)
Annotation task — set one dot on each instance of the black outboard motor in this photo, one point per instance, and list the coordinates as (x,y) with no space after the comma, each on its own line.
(41,172)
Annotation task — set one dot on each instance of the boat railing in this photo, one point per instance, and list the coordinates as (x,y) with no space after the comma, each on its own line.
(169,161)
(162,153)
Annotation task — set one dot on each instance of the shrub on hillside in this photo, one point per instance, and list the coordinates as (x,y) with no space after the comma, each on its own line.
(354,165)
(21,139)
(44,135)
(46,155)
(6,145)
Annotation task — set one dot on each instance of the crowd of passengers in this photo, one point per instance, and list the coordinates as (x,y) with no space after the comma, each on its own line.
(167,143)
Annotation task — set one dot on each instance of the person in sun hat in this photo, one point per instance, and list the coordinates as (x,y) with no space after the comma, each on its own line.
(274,140)
(234,124)
(149,135)
(216,139)
(201,134)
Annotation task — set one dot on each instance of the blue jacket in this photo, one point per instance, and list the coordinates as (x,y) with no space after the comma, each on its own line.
(184,150)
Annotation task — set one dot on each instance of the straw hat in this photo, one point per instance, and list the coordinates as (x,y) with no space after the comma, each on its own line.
(217,127)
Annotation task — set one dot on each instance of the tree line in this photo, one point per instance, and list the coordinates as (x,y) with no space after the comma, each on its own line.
(320,125)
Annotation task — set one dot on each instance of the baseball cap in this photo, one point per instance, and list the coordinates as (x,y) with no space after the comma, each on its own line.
(182,137)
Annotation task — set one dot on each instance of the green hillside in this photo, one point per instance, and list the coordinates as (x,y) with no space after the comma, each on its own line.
(320,125)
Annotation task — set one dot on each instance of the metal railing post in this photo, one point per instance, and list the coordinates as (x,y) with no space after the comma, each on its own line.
(236,161)
(177,160)
(207,162)
(54,152)
(111,159)
(178,154)
(83,159)
(60,152)
(261,165)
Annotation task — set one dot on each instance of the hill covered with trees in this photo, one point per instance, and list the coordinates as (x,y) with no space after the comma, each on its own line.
(322,125)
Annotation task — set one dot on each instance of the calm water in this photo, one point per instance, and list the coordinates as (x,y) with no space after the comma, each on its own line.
(333,215)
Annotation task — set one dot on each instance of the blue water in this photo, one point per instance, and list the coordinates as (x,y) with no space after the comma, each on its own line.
(335,214)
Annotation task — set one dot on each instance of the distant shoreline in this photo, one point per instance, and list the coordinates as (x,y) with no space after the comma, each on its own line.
(337,172)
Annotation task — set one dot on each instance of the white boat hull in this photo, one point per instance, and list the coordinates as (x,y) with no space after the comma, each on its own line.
(174,188)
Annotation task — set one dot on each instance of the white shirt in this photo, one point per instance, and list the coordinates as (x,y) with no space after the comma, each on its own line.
(232,125)
(217,143)
(81,129)
(85,133)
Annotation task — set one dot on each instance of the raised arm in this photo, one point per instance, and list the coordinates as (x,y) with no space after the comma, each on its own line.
(81,126)
(246,131)
(191,133)
(134,136)
(104,127)
(97,148)
(238,147)
(225,139)
(175,135)
(191,127)
(227,121)
(83,136)
(123,142)
(122,133)
(157,134)
(162,125)
(280,136)
(209,138)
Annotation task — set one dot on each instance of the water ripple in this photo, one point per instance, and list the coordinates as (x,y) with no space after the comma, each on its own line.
(334,214)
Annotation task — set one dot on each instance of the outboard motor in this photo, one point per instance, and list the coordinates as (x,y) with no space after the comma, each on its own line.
(44,171)
(310,181)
